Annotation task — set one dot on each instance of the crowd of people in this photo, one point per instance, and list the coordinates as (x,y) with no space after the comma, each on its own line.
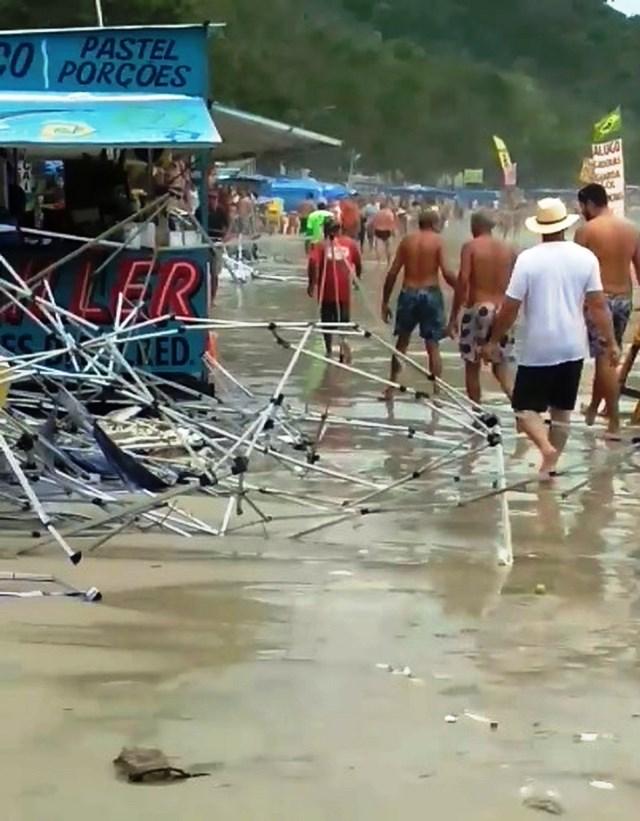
(575,297)
(375,222)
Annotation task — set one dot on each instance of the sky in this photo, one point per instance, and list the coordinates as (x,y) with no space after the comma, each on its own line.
(627,6)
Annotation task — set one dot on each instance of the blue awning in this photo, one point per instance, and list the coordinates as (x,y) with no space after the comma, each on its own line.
(71,121)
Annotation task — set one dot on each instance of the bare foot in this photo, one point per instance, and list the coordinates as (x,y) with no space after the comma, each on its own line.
(590,415)
(612,436)
(345,354)
(548,465)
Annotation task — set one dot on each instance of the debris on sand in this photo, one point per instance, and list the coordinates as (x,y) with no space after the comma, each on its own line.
(143,765)
(538,798)
(548,805)
(601,785)
(402,670)
(481,719)
(580,738)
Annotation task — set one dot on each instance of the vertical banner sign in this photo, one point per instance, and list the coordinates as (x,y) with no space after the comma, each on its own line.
(608,159)
(509,169)
(511,175)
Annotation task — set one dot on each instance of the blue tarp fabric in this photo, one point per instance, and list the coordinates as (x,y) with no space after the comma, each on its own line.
(103,120)
(292,191)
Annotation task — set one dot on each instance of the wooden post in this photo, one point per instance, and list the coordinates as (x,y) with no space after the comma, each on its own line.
(627,367)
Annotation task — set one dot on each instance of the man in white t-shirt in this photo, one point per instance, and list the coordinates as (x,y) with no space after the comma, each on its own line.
(553,282)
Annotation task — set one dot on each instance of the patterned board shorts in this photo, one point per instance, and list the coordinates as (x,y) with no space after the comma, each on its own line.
(475,330)
(422,307)
(620,308)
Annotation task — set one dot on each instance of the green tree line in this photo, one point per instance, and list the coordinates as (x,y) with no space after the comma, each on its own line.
(416,87)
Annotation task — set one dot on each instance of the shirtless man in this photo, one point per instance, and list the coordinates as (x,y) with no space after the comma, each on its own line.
(246,214)
(485,268)
(616,243)
(306,207)
(384,229)
(420,302)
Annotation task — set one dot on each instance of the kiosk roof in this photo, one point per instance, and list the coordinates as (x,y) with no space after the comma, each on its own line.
(105,120)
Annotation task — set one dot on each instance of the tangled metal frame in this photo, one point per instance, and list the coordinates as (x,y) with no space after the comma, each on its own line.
(78,479)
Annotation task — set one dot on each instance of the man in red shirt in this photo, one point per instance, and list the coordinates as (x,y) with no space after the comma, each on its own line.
(332,265)
(350,218)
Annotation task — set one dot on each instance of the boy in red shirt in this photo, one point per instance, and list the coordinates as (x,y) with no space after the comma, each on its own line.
(331,268)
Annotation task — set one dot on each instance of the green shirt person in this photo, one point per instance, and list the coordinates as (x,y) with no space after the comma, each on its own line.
(315,223)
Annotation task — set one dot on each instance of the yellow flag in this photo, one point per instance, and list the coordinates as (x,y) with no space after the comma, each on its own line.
(503,153)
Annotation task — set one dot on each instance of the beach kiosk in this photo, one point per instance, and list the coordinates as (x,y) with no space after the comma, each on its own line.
(96,103)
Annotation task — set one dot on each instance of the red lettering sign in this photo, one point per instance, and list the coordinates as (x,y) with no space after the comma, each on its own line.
(13,314)
(130,282)
(81,296)
(167,291)
(178,280)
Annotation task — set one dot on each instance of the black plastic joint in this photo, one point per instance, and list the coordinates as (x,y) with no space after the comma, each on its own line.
(240,465)
(490,420)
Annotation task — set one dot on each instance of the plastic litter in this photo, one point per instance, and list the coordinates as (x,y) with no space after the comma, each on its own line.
(149,765)
(536,797)
(396,671)
(590,737)
(481,719)
(601,785)
(402,671)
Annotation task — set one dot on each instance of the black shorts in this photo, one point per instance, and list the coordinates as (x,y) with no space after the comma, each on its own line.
(384,236)
(334,312)
(547,386)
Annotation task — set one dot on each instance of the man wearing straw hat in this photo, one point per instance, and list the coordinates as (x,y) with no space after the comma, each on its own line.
(552,282)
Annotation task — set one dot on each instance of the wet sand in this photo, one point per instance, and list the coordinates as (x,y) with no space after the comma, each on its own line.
(257,660)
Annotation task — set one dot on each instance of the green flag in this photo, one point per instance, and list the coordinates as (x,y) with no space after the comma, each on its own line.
(609,127)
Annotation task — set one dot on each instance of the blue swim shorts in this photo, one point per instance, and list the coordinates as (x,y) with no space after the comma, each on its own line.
(423,308)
